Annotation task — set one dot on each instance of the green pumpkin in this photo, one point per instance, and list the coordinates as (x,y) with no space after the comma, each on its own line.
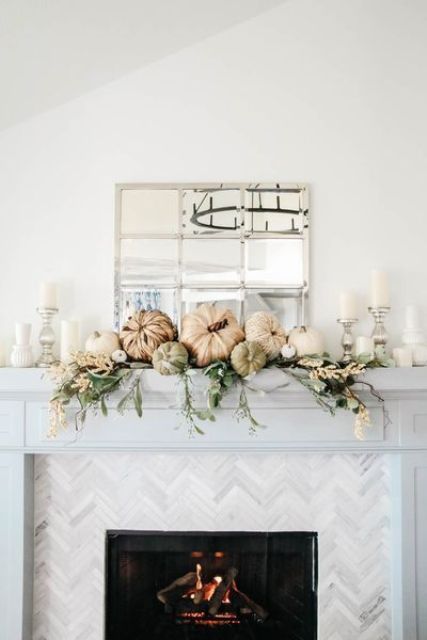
(170,358)
(247,357)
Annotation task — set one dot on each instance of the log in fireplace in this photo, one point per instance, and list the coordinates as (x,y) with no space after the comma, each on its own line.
(211,586)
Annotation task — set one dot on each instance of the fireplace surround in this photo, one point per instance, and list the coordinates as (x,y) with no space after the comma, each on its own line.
(305,472)
(79,496)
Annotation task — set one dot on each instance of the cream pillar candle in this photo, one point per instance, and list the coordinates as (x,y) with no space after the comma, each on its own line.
(47,297)
(379,289)
(364,346)
(70,339)
(402,356)
(348,306)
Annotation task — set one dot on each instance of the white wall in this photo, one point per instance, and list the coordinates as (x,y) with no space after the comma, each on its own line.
(326,92)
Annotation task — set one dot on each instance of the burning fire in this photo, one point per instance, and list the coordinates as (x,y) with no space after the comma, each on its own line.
(204,592)
(215,602)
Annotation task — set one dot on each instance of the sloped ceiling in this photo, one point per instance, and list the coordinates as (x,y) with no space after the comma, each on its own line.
(52,51)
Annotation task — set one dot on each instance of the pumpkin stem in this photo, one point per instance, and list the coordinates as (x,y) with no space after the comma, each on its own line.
(217,326)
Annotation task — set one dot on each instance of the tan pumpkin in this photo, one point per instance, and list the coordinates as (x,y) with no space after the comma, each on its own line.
(265,329)
(144,332)
(247,358)
(210,333)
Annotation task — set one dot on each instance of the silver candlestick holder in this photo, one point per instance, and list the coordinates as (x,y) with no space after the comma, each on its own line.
(347,338)
(46,337)
(379,332)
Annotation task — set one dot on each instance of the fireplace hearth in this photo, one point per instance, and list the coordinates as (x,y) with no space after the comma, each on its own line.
(211,586)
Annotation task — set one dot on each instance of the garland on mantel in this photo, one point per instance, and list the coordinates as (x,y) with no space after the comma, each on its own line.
(90,379)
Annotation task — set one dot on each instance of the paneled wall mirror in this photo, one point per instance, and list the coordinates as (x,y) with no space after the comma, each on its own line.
(243,246)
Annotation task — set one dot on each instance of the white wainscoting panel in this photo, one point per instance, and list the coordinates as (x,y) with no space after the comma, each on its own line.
(413,470)
(15,515)
(11,423)
(344,497)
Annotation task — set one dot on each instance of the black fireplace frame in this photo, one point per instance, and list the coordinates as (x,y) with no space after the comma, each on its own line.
(111,559)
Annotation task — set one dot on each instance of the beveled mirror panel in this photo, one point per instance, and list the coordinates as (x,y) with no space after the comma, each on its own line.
(211,262)
(244,246)
(212,211)
(146,211)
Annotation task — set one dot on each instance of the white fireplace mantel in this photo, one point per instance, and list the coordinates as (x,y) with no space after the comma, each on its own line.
(293,422)
(291,419)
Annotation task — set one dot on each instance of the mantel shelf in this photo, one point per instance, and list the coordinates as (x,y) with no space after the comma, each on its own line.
(292,419)
(24,382)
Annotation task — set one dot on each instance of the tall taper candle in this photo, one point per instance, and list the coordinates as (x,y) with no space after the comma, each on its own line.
(379,289)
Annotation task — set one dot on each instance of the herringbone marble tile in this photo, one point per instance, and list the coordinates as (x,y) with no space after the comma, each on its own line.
(343,497)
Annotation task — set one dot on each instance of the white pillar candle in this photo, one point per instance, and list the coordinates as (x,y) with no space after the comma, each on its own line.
(419,355)
(402,356)
(364,346)
(47,298)
(379,289)
(348,306)
(412,317)
(70,339)
(22,333)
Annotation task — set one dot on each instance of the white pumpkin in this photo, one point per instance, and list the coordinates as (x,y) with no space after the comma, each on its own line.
(288,351)
(119,356)
(103,342)
(306,340)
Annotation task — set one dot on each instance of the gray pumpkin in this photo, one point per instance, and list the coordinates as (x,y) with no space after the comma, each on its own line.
(247,358)
(170,358)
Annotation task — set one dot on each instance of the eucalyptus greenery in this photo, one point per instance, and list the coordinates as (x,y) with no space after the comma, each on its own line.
(331,383)
(243,411)
(90,379)
(222,377)
(189,411)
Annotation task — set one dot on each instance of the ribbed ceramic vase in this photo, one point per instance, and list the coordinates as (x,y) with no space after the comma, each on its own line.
(22,356)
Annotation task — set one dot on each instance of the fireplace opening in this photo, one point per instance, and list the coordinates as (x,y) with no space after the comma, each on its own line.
(211,586)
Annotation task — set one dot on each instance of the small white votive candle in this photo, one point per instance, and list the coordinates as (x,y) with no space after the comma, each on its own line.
(402,356)
(22,333)
(70,339)
(348,306)
(379,289)
(47,297)
(364,346)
